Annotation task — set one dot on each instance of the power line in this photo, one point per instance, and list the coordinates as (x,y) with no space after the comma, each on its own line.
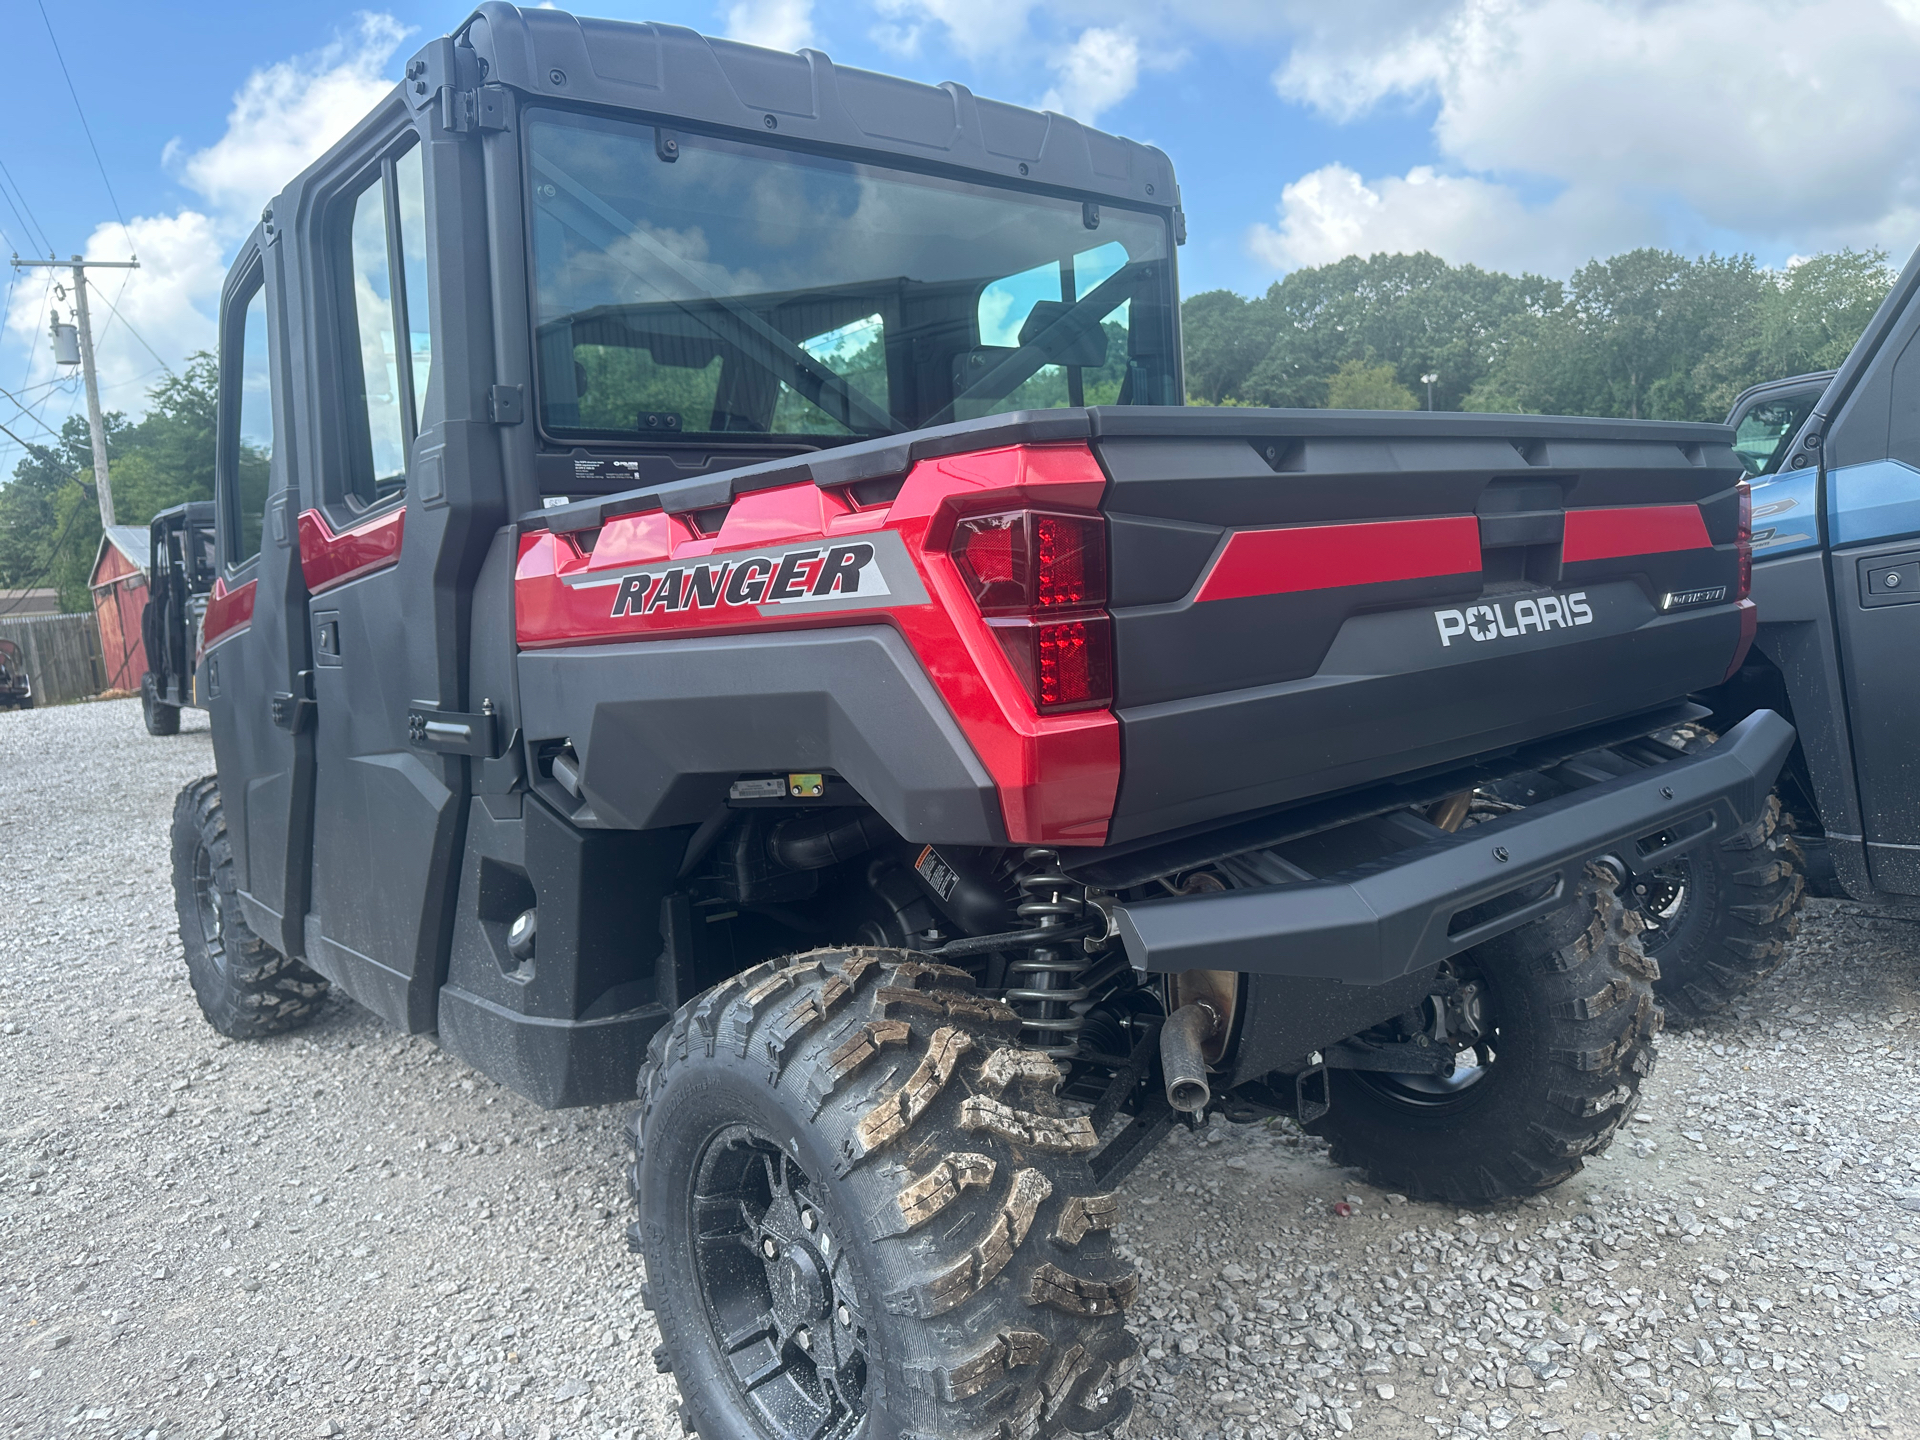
(52,555)
(46,299)
(6,310)
(35,418)
(118,214)
(28,220)
(25,445)
(129,324)
(28,412)
(57,382)
(4,191)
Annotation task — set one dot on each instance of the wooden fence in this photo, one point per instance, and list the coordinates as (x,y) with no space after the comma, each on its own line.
(62,654)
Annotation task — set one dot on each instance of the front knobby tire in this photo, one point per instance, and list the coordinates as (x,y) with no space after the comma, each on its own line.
(161,718)
(1719,918)
(245,987)
(865,1211)
(1571,1001)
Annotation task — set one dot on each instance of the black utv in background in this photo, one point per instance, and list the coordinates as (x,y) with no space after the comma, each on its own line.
(16,686)
(737,604)
(180,572)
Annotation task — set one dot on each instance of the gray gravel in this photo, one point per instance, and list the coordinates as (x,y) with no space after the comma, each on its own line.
(345,1232)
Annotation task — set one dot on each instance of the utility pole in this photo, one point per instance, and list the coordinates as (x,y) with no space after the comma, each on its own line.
(103,486)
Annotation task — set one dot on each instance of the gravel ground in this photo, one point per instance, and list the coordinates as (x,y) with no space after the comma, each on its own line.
(343,1232)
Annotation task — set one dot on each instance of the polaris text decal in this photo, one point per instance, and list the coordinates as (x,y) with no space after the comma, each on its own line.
(823,572)
(1490,622)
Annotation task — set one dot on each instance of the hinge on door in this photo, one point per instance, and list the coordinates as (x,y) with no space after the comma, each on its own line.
(483,108)
(290,711)
(504,405)
(453,732)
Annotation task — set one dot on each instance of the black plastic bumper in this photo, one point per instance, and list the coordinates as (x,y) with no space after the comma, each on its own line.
(1372,924)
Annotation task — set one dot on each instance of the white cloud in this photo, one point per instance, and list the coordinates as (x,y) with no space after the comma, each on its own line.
(1331,212)
(283,117)
(776,24)
(973,27)
(171,301)
(287,114)
(1097,72)
(1790,119)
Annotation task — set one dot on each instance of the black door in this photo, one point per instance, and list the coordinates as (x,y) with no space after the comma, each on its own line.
(387,813)
(255,629)
(1876,593)
(1870,460)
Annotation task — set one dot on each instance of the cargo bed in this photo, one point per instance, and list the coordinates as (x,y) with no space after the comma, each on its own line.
(1307,601)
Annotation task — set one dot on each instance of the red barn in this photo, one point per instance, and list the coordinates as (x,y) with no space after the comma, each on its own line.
(119,586)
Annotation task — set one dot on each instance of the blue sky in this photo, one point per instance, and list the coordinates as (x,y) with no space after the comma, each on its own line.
(1512,133)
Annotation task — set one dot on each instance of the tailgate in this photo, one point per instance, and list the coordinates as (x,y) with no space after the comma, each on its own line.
(1300,610)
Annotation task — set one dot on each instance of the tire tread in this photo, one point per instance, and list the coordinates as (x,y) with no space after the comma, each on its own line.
(890,1058)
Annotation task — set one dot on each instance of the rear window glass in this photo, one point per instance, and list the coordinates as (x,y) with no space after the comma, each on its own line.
(692,286)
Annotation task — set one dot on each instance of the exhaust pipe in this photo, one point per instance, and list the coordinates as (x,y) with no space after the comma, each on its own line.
(1183,1063)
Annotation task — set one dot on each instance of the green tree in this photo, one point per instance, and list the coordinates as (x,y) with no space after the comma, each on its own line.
(1652,334)
(49,515)
(168,457)
(1819,308)
(1415,313)
(1357,385)
(1226,336)
(49,518)
(1648,333)
(1808,318)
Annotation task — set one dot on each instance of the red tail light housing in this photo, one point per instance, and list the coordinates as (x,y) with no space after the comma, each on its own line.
(1743,542)
(1040,579)
(1029,562)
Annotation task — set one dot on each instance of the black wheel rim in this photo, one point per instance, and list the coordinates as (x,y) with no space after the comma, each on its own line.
(206,896)
(776,1288)
(1437,1094)
(1473,1067)
(1664,907)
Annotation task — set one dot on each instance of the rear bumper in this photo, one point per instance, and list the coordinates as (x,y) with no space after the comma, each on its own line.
(1375,923)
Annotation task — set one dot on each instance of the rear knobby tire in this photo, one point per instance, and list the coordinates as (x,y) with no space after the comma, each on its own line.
(953,1213)
(1572,998)
(1720,917)
(161,718)
(245,987)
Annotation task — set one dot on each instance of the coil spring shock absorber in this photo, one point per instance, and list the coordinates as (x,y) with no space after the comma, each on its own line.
(1045,985)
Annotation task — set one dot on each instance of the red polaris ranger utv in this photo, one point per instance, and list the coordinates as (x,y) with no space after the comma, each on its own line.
(738,603)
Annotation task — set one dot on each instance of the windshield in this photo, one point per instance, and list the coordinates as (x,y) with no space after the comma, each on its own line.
(1763,430)
(696,287)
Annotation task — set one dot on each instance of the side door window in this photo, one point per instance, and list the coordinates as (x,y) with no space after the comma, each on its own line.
(385,352)
(245,449)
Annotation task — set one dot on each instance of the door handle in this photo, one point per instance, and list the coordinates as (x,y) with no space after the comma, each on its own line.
(453,732)
(290,711)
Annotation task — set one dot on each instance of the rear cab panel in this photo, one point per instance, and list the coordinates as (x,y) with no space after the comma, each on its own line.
(1305,602)
(1390,595)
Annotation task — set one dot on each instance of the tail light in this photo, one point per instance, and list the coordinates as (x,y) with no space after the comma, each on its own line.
(1743,541)
(1040,579)
(1029,562)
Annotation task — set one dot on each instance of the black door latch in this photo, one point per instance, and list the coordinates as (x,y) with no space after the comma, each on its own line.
(453,732)
(290,711)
